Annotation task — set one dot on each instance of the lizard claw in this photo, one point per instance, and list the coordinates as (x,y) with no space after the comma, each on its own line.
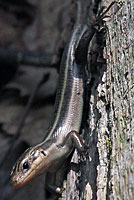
(60,190)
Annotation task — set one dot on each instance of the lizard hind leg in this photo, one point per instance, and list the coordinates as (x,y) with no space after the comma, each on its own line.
(102,13)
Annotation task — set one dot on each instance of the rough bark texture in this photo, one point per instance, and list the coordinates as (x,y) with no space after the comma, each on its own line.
(109,171)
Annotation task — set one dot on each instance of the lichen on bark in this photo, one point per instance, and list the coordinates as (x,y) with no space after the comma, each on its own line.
(119,117)
(109,171)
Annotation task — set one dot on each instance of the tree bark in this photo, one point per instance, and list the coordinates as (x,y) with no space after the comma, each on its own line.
(108,172)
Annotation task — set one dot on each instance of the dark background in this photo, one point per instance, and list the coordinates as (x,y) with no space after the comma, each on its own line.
(41,28)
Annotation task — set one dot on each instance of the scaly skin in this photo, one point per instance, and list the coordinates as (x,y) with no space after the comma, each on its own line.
(62,135)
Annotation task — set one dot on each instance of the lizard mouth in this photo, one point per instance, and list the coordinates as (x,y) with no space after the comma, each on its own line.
(18,181)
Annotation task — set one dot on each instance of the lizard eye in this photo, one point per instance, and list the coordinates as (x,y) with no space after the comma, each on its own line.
(26,165)
(44,153)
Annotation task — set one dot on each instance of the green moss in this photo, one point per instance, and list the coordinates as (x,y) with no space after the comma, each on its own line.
(122,137)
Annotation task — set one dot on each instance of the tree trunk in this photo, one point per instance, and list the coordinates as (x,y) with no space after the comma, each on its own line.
(108,172)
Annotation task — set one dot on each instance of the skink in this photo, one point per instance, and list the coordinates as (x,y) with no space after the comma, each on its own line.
(62,135)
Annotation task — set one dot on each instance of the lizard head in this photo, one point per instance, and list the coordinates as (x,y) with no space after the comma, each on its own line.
(28,166)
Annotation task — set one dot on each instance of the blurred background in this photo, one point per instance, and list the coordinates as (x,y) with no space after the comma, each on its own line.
(32,38)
